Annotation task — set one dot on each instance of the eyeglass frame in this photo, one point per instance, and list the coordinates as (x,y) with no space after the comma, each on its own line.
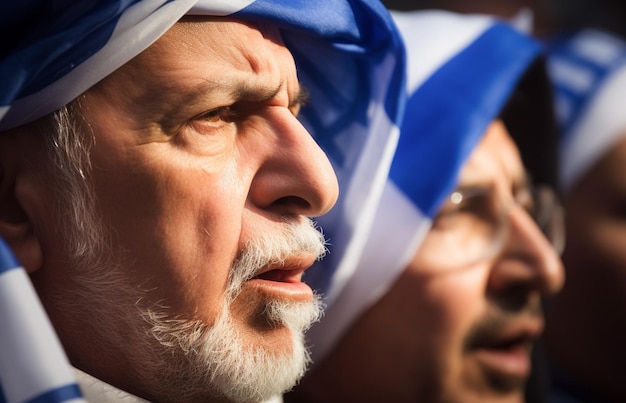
(545,210)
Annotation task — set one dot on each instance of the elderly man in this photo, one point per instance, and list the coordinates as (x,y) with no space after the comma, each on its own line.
(445,304)
(157,181)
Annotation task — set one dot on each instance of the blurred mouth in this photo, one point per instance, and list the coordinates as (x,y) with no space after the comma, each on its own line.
(506,354)
(284,281)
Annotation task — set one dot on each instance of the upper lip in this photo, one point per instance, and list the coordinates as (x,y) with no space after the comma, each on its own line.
(288,270)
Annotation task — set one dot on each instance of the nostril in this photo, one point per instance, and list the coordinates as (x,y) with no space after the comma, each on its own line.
(293,202)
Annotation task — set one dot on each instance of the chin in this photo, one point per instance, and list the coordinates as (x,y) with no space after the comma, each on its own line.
(483,397)
(275,325)
(247,355)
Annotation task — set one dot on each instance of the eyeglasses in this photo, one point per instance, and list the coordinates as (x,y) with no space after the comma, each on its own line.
(473,223)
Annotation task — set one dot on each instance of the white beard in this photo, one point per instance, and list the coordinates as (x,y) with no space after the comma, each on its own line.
(197,360)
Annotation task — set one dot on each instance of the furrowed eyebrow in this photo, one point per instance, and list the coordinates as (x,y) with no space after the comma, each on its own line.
(241,92)
(254,94)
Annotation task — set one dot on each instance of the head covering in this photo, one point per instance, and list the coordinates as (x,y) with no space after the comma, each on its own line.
(588,70)
(348,55)
(462,69)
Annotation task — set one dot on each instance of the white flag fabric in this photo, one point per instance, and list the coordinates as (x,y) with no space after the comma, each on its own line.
(33,366)
(588,71)
(348,54)
(462,69)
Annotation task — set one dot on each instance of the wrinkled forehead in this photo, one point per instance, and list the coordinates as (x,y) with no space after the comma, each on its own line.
(223,28)
(202,57)
(212,40)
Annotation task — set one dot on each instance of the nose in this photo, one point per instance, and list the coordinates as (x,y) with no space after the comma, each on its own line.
(528,260)
(296,177)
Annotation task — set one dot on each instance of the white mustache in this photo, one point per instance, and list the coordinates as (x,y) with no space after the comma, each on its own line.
(271,248)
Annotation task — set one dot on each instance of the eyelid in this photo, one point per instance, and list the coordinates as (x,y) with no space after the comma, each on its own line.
(229,113)
(223,113)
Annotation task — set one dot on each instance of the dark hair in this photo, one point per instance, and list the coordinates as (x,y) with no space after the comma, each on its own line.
(529,116)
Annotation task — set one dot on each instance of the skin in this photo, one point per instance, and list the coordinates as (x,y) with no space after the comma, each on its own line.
(586,329)
(420,343)
(197,150)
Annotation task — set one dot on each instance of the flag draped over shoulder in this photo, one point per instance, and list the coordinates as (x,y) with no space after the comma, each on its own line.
(348,54)
(33,366)
(588,71)
(461,71)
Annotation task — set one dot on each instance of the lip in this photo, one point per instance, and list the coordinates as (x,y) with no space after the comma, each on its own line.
(284,280)
(507,354)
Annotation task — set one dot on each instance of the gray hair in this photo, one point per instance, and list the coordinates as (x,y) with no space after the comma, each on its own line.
(69,140)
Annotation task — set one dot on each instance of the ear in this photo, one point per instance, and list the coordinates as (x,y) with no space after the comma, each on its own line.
(16,226)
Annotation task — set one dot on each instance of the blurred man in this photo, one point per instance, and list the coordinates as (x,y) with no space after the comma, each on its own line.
(445,305)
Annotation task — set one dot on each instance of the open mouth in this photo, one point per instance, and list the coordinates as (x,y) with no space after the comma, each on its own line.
(282,282)
(281,275)
(513,344)
(507,357)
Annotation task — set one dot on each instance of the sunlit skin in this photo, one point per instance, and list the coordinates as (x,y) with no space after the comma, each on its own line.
(197,150)
(587,321)
(444,334)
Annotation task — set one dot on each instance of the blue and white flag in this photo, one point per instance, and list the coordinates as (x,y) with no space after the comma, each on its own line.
(462,69)
(588,72)
(349,56)
(33,366)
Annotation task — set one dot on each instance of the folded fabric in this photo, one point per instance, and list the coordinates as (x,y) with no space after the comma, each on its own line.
(588,71)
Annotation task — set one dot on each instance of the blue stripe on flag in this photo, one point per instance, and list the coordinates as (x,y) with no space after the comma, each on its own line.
(7,260)
(563,51)
(436,140)
(82,30)
(62,394)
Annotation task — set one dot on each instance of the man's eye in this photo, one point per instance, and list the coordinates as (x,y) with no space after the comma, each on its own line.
(463,208)
(225,114)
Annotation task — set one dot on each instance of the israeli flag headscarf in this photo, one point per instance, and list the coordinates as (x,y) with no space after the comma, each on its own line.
(588,71)
(348,55)
(462,69)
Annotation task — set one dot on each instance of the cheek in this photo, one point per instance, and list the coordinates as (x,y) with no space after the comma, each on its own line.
(450,299)
(179,231)
(446,305)
(455,300)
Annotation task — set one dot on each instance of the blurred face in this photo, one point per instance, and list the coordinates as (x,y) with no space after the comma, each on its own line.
(459,323)
(586,325)
(203,181)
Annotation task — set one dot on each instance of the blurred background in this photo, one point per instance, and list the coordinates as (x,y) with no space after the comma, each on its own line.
(549,15)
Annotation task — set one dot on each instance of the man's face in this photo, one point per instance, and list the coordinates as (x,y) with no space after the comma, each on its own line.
(197,155)
(476,322)
(459,323)
(586,327)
